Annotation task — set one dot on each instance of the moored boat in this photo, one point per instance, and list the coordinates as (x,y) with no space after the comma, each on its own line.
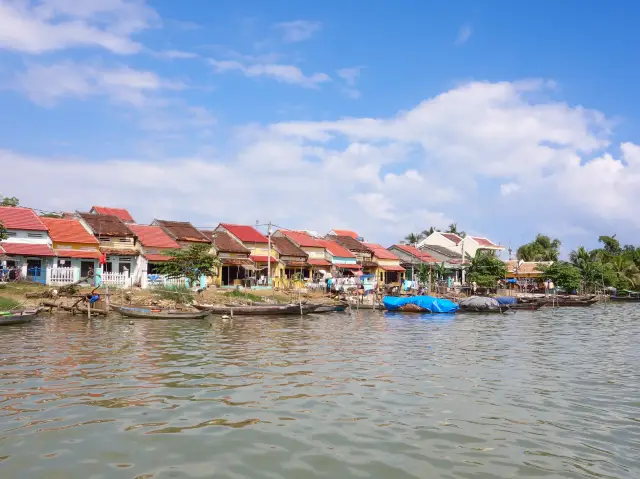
(419,304)
(149,313)
(261,310)
(18,317)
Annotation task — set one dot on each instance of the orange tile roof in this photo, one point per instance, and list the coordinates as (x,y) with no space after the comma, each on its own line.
(336,250)
(485,242)
(318,262)
(245,233)
(454,238)
(18,218)
(77,253)
(157,258)
(302,239)
(351,234)
(68,231)
(416,253)
(153,237)
(263,259)
(121,213)
(26,249)
(379,251)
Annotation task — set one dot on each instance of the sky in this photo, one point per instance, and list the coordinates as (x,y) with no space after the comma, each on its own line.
(507,118)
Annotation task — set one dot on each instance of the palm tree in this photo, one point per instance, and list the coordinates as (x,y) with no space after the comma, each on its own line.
(453,228)
(580,257)
(625,270)
(412,239)
(429,232)
(543,248)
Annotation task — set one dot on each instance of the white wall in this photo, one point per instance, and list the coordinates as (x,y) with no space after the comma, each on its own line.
(27,237)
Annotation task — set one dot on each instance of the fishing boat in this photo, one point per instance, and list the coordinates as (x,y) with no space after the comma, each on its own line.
(150,313)
(568,303)
(626,297)
(18,317)
(261,310)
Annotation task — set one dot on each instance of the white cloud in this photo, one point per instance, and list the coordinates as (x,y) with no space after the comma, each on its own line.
(298,30)
(350,77)
(483,154)
(282,73)
(41,26)
(46,84)
(176,54)
(464,34)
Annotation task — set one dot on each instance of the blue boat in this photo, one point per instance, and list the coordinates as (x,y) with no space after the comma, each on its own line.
(419,304)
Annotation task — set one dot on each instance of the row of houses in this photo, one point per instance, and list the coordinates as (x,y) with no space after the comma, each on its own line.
(61,250)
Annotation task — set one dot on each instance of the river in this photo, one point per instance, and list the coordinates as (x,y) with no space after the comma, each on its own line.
(552,393)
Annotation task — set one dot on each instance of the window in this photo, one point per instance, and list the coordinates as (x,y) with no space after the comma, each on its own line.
(108,267)
(124,240)
(122,266)
(35,235)
(12,233)
(153,268)
(64,263)
(104,239)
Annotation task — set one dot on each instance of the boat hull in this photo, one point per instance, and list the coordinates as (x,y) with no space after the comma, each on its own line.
(270,310)
(18,317)
(142,313)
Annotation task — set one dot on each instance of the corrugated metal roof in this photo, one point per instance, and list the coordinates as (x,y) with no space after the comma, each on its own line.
(18,218)
(106,225)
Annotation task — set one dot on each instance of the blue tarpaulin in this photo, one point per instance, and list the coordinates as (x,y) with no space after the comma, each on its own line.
(435,305)
(506,300)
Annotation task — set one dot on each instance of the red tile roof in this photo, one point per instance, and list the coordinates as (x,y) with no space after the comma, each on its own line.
(415,252)
(391,267)
(351,234)
(336,250)
(121,213)
(302,239)
(77,253)
(379,251)
(153,237)
(68,231)
(244,233)
(262,259)
(157,258)
(17,218)
(225,243)
(26,249)
(318,262)
(452,237)
(485,242)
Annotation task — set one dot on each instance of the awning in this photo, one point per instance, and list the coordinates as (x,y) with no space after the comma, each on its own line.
(77,253)
(296,264)
(119,252)
(236,262)
(319,262)
(25,249)
(392,268)
(262,259)
(348,266)
(369,264)
(157,258)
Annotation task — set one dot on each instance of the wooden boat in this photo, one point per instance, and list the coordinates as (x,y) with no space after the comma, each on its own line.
(261,310)
(328,308)
(18,317)
(568,303)
(533,306)
(149,313)
(630,298)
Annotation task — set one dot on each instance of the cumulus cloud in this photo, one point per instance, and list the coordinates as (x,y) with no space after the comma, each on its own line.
(40,26)
(298,30)
(46,84)
(283,73)
(482,154)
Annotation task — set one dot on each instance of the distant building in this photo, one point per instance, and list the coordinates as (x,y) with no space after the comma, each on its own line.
(121,213)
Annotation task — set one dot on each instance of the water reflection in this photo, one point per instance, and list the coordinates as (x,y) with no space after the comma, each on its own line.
(547,393)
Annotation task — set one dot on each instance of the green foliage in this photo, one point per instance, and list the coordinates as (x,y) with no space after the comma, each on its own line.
(423,273)
(236,293)
(10,201)
(7,304)
(179,294)
(3,232)
(412,238)
(486,269)
(453,228)
(440,271)
(543,248)
(51,215)
(563,274)
(190,263)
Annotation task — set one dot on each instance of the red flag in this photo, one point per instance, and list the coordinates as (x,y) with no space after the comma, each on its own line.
(103,258)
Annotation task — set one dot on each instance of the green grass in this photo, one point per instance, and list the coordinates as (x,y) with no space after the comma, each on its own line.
(7,304)
(179,294)
(236,293)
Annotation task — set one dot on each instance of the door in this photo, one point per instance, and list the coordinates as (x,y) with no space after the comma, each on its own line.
(34,270)
(85,266)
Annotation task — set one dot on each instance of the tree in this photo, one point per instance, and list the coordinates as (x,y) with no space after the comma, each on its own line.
(563,274)
(543,248)
(423,273)
(440,271)
(486,269)
(453,228)
(190,263)
(412,238)
(625,271)
(10,201)
(429,232)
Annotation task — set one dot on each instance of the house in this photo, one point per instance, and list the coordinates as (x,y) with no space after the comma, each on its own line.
(121,213)
(388,268)
(349,233)
(27,249)
(344,261)
(364,257)
(237,268)
(318,257)
(76,249)
(265,259)
(293,258)
(411,258)
(472,244)
(183,232)
(451,241)
(122,260)
(519,269)
(153,245)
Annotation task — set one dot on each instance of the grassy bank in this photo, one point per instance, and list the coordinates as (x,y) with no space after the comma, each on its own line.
(7,304)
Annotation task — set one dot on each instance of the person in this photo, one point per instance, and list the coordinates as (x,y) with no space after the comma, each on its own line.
(474,286)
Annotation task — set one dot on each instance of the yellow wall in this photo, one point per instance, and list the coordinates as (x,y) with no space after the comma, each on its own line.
(82,246)
(115,243)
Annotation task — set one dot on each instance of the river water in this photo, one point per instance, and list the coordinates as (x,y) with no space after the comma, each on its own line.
(369,394)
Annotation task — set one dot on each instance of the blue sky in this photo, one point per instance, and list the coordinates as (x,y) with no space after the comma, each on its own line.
(506,118)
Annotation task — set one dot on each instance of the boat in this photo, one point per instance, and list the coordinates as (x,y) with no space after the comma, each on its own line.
(262,310)
(629,297)
(533,306)
(149,313)
(568,303)
(328,308)
(18,317)
(419,304)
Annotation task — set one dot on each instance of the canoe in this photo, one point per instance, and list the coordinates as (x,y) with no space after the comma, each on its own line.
(147,313)
(261,310)
(18,317)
